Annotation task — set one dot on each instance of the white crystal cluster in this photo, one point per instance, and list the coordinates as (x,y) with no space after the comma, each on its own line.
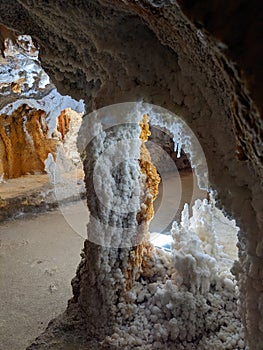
(186,299)
(113,142)
(52,170)
(20,65)
(53,104)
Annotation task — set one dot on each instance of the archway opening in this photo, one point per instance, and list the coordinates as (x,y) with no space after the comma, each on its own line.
(179,187)
(185,219)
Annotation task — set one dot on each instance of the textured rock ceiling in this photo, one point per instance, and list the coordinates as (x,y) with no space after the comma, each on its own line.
(113,51)
(239,25)
(127,50)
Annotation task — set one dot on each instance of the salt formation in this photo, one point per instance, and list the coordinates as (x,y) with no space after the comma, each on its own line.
(161,148)
(130,50)
(115,143)
(120,191)
(69,168)
(183,138)
(52,103)
(52,171)
(30,106)
(128,294)
(23,81)
(21,72)
(186,299)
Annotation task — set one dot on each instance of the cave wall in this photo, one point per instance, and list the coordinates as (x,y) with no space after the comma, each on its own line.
(30,109)
(117,51)
(162,160)
(24,142)
(239,27)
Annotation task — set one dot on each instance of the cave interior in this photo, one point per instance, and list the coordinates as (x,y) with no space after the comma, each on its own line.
(115,95)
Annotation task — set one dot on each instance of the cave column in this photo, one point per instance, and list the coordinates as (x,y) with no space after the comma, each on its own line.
(121,185)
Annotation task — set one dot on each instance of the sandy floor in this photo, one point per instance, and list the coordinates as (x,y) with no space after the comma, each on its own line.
(38,259)
(16,187)
(39,256)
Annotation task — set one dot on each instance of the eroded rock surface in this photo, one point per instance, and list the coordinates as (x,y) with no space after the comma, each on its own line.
(24,142)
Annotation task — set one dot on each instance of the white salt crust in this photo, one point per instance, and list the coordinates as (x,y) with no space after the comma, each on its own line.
(189,300)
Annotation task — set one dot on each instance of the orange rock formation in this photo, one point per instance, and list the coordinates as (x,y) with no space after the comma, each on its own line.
(63,123)
(140,254)
(24,142)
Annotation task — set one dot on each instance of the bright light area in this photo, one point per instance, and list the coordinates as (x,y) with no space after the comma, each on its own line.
(161,240)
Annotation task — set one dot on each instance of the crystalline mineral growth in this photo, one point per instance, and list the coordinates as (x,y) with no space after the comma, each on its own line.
(203,224)
(113,145)
(195,267)
(183,138)
(142,296)
(110,145)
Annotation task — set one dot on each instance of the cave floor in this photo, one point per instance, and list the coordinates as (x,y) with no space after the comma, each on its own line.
(38,259)
(34,193)
(19,186)
(39,254)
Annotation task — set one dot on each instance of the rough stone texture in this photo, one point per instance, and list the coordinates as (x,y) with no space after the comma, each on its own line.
(23,80)
(114,51)
(21,73)
(34,194)
(63,124)
(239,27)
(168,160)
(24,142)
(112,254)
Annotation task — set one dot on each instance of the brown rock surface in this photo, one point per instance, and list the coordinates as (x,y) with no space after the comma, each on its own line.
(63,123)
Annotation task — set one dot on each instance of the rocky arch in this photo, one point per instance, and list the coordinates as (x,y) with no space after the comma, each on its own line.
(117,51)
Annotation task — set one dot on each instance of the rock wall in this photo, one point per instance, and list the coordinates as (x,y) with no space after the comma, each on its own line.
(239,28)
(115,51)
(30,109)
(24,142)
(63,124)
